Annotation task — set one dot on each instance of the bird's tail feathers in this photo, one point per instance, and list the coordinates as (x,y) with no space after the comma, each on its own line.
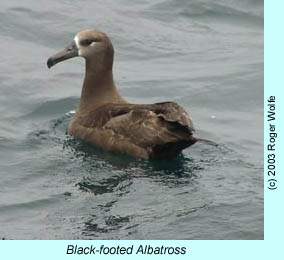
(206,141)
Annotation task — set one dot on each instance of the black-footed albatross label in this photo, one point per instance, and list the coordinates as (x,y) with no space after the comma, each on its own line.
(145,249)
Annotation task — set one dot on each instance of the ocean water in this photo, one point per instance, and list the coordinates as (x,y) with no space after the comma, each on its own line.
(206,55)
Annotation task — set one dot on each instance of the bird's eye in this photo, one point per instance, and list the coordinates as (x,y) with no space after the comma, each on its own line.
(86,42)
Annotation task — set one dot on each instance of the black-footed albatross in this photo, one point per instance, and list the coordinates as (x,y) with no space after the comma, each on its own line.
(105,119)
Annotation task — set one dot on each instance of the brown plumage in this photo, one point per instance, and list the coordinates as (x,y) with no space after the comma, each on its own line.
(106,120)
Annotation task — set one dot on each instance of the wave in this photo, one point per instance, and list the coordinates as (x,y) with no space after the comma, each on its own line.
(239,12)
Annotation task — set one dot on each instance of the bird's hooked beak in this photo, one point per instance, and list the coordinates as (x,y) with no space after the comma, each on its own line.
(68,52)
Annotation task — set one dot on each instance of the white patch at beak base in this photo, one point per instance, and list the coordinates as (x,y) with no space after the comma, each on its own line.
(76,39)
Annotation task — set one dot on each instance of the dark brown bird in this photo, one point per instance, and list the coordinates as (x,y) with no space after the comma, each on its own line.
(105,119)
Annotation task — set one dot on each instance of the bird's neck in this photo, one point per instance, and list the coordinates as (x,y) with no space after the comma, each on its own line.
(98,88)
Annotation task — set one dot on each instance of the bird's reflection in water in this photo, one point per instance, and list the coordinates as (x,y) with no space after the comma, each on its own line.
(112,178)
(117,171)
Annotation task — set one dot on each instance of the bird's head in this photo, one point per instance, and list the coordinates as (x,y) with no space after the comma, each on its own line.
(91,44)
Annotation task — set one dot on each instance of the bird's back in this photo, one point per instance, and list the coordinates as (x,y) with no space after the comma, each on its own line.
(158,130)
